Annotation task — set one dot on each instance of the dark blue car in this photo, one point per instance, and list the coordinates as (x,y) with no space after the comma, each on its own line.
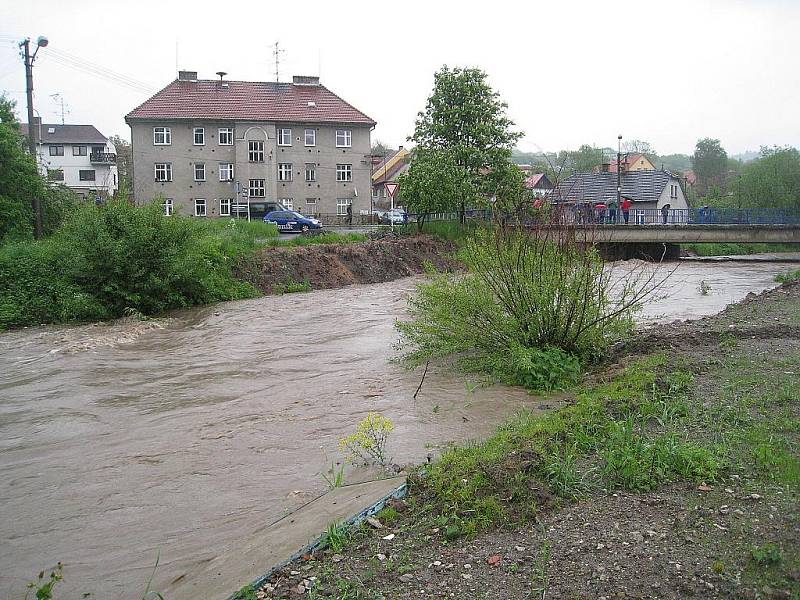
(289,220)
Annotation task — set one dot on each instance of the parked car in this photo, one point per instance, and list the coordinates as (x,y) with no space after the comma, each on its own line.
(290,220)
(394,217)
(259,210)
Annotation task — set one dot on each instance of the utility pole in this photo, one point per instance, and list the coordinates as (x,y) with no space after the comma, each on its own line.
(29,58)
(619,171)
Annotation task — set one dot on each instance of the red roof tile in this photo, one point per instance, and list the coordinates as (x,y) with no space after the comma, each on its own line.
(249,100)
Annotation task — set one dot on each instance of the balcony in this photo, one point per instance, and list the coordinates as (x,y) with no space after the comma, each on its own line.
(103,158)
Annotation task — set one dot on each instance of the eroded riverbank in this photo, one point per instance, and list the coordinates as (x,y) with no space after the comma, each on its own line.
(185,435)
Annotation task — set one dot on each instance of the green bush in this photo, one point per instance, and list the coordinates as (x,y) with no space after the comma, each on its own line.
(526,311)
(107,259)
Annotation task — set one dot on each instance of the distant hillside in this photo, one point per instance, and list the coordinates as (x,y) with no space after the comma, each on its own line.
(746,156)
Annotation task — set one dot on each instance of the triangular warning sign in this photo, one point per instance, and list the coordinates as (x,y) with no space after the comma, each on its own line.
(391,188)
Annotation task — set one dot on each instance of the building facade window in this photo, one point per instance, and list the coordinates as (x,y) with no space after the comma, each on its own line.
(225,207)
(163,171)
(311,172)
(199,171)
(56,150)
(225,136)
(226,171)
(199,136)
(311,137)
(311,202)
(199,207)
(55,174)
(257,189)
(288,203)
(168,206)
(344,172)
(284,137)
(341,206)
(284,171)
(86,175)
(255,151)
(79,151)
(162,136)
(344,138)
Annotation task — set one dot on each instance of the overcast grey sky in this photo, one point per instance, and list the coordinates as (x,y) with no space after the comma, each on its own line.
(571,71)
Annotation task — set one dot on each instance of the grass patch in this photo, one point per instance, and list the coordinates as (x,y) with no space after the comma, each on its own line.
(623,434)
(330,237)
(788,276)
(293,287)
(451,231)
(738,249)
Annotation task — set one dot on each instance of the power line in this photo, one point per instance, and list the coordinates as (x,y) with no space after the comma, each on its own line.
(98,71)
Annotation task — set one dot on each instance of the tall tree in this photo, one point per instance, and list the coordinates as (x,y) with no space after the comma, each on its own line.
(466,117)
(771,181)
(435,182)
(379,148)
(124,165)
(584,159)
(710,163)
(20,180)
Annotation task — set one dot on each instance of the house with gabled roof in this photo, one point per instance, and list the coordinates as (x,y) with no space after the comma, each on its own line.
(539,185)
(76,156)
(646,189)
(630,162)
(216,148)
(386,169)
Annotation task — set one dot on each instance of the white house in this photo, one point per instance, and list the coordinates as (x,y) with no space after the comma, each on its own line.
(77,156)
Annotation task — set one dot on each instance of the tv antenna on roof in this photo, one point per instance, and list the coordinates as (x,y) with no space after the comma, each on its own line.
(60,99)
(277,54)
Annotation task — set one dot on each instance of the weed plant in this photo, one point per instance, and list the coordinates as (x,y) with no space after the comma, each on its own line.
(788,277)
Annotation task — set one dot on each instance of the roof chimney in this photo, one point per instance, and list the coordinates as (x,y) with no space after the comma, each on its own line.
(305,80)
(221,74)
(187,75)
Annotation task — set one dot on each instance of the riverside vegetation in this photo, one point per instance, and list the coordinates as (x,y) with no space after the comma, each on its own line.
(108,261)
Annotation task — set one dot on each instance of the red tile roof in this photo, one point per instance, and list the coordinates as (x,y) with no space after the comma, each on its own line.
(249,100)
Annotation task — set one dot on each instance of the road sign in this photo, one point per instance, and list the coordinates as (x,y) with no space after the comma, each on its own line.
(391,189)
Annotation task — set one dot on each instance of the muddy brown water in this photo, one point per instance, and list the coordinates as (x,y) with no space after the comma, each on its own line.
(179,436)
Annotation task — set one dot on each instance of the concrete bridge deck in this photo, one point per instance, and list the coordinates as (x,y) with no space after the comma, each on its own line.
(690,234)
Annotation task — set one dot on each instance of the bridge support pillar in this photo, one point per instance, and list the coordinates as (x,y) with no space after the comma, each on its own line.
(642,251)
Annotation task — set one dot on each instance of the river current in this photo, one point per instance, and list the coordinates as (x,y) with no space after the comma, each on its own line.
(179,436)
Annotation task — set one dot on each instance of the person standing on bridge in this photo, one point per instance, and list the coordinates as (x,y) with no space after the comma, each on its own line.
(665,213)
(612,212)
(626,209)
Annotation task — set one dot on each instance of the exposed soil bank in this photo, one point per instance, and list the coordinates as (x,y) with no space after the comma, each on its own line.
(327,266)
(737,536)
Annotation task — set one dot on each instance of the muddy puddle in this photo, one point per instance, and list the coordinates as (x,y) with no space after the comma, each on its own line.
(179,436)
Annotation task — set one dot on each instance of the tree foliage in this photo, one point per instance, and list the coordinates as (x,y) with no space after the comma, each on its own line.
(124,165)
(710,162)
(771,181)
(466,117)
(20,180)
(435,182)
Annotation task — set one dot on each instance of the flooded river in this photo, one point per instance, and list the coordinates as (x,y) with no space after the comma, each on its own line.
(179,436)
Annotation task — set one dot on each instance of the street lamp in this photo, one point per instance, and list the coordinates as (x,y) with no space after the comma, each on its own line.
(25,44)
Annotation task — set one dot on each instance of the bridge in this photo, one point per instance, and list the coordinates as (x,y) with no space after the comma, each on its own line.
(656,226)
(692,234)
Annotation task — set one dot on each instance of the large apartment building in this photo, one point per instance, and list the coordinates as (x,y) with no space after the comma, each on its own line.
(206,147)
(77,156)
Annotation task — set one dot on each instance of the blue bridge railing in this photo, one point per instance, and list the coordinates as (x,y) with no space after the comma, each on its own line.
(585,214)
